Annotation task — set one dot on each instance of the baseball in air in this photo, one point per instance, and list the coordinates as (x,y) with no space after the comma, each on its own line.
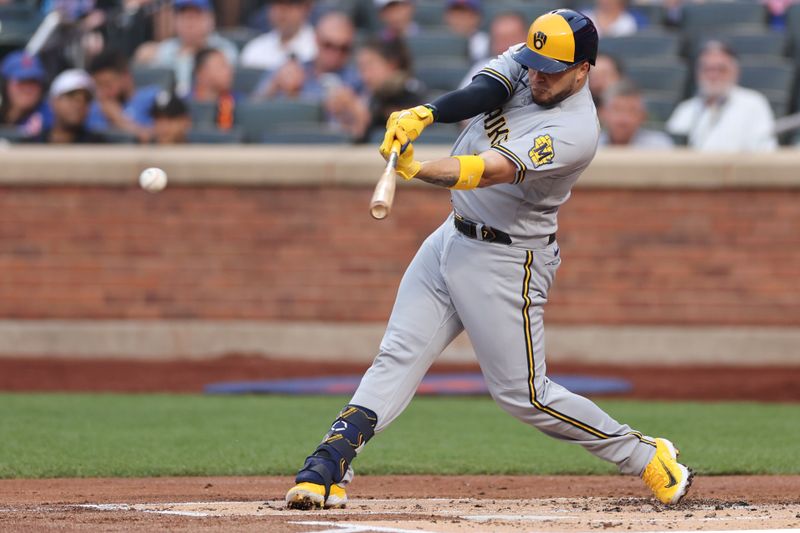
(153,179)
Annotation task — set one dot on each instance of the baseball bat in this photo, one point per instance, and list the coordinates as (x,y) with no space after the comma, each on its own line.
(382,198)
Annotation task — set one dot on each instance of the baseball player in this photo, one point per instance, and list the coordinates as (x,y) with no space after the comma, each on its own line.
(488,268)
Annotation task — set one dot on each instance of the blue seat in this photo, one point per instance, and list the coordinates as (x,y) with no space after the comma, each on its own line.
(257,118)
(774,78)
(310,134)
(667,78)
(641,45)
(214,136)
(723,15)
(245,80)
(442,77)
(744,43)
(204,114)
(144,75)
(529,9)
(442,44)
(659,108)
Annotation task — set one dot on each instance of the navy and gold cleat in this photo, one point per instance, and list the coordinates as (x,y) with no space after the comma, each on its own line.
(667,478)
(306,496)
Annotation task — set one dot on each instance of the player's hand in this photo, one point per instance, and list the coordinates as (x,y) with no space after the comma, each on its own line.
(407,166)
(405,126)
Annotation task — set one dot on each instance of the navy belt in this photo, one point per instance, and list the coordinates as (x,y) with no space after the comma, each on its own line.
(482,232)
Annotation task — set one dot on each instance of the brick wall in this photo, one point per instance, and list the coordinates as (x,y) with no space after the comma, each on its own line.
(312,253)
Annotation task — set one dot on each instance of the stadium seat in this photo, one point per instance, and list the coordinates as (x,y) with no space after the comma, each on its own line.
(257,118)
(145,75)
(442,77)
(214,136)
(440,44)
(439,134)
(699,17)
(744,43)
(650,13)
(793,29)
(774,78)
(659,108)
(429,13)
(239,35)
(204,114)
(245,80)
(11,135)
(660,78)
(305,135)
(529,9)
(641,45)
(120,137)
(16,31)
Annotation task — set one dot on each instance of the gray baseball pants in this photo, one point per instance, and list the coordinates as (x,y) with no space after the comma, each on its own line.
(496,293)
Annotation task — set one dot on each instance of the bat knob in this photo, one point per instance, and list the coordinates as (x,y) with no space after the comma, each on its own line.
(379,211)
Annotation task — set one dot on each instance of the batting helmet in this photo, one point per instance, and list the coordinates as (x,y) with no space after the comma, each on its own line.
(557,41)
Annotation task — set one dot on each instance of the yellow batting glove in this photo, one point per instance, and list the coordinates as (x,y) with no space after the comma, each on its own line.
(405,126)
(407,167)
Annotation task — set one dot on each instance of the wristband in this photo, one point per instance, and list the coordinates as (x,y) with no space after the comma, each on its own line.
(471,170)
(434,111)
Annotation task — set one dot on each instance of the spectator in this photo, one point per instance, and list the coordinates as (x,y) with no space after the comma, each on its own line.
(385,68)
(171,119)
(118,104)
(335,36)
(397,19)
(291,36)
(606,72)
(194,27)
(463,17)
(22,104)
(507,29)
(622,115)
(70,97)
(612,18)
(213,82)
(777,11)
(723,116)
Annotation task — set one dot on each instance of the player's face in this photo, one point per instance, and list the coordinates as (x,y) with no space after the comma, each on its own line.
(549,89)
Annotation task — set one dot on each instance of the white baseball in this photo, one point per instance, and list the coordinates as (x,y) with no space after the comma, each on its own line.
(153,179)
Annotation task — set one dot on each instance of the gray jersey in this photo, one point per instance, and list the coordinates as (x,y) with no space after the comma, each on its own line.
(550,147)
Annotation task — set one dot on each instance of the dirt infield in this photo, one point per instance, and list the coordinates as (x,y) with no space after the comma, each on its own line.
(393,504)
(399,504)
(665,383)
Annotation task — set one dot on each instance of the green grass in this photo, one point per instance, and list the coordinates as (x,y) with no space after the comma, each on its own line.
(69,435)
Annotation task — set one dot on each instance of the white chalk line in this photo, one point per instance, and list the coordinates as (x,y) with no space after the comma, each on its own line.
(275,508)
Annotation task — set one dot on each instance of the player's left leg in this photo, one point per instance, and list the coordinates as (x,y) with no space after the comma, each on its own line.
(423,322)
(500,301)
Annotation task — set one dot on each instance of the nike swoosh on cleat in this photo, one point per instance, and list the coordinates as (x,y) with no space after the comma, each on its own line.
(672,480)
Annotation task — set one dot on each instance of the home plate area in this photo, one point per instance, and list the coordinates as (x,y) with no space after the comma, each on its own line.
(495,515)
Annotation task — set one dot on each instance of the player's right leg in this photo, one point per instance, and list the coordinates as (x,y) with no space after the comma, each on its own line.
(422,324)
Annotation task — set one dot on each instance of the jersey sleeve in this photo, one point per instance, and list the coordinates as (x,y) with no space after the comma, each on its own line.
(504,69)
(548,152)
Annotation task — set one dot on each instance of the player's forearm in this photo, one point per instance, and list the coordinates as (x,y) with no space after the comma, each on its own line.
(446,172)
(440,172)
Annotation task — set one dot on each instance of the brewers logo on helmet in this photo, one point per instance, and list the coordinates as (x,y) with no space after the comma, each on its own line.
(557,41)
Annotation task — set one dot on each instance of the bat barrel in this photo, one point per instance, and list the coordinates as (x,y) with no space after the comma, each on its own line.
(382,198)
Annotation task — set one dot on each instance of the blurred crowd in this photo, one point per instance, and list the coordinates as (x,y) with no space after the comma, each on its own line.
(671,72)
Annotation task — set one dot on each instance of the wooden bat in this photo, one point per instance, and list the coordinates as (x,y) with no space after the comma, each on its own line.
(382,198)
